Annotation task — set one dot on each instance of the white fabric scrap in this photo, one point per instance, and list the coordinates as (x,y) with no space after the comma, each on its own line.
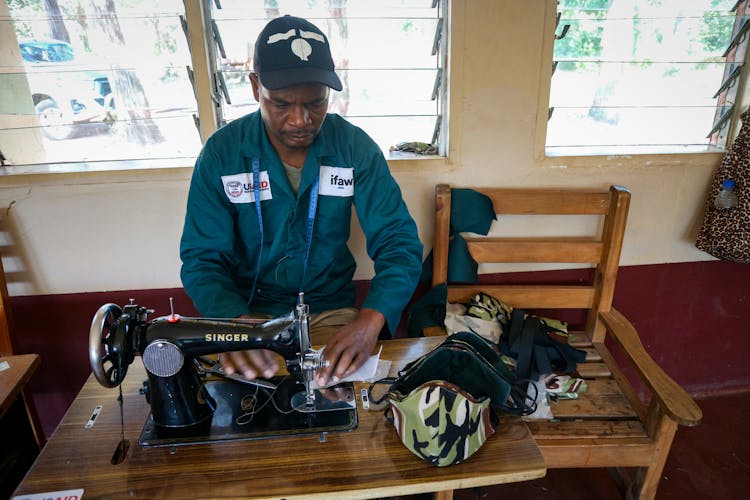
(371,370)
(543,409)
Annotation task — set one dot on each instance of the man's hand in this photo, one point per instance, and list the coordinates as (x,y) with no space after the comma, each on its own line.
(351,346)
(251,363)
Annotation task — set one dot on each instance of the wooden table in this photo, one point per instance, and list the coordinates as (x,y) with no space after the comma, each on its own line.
(365,463)
(15,377)
(19,444)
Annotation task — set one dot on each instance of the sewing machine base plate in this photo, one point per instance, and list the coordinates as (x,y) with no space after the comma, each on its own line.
(246,412)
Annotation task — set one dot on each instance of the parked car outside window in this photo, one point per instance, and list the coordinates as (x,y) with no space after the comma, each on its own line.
(65,92)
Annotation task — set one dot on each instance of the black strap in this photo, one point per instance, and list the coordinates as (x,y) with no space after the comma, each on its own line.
(541,359)
(525,348)
(388,414)
(522,404)
(516,325)
(387,380)
(519,344)
(565,357)
(536,352)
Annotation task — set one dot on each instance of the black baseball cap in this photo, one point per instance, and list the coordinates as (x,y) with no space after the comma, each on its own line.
(292,51)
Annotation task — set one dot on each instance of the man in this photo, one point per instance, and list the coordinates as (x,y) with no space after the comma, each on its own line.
(269,211)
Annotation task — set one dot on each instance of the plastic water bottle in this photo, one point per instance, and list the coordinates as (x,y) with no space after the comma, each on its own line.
(727,197)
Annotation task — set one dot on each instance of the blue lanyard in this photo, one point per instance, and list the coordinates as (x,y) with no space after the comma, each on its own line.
(256,199)
(310,226)
(311,211)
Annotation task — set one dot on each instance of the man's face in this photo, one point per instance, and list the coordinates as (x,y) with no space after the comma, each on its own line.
(293,116)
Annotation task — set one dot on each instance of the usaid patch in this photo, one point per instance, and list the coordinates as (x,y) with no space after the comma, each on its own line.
(239,187)
(336,181)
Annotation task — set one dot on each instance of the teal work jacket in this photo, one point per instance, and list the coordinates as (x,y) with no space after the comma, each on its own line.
(220,244)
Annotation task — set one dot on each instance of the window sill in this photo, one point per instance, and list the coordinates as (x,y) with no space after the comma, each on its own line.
(633,159)
(170,167)
(96,166)
(93,172)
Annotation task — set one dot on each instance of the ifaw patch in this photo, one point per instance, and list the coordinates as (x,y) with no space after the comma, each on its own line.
(336,181)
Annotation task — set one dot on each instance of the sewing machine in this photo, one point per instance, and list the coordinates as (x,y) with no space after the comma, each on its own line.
(191,398)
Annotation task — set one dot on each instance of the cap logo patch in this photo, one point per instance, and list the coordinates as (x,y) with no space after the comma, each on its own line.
(312,35)
(277,37)
(300,47)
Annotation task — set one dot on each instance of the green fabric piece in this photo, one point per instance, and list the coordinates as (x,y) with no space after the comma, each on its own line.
(420,148)
(463,368)
(462,268)
(427,268)
(429,310)
(471,212)
(484,348)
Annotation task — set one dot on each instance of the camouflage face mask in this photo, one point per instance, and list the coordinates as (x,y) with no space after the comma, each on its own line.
(441,403)
(441,423)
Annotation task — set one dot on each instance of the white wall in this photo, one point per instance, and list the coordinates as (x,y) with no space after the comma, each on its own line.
(116,231)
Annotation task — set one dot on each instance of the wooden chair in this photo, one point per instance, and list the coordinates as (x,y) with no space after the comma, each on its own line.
(608,426)
(6,349)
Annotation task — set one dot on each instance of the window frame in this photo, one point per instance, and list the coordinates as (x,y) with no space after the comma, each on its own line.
(197,20)
(616,160)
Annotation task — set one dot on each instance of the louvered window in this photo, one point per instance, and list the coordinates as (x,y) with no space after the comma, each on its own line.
(94,80)
(645,76)
(145,80)
(389,54)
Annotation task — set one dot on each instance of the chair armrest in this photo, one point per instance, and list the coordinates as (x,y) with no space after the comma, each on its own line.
(675,401)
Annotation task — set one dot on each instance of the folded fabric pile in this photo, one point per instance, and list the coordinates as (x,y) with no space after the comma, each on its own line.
(536,348)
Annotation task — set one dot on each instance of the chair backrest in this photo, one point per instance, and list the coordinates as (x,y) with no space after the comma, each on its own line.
(601,251)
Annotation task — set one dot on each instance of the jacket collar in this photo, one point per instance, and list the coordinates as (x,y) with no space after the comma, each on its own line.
(255,136)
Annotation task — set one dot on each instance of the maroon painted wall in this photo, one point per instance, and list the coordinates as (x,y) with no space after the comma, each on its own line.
(692,318)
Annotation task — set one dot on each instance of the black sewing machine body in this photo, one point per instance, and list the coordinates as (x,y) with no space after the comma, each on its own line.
(171,347)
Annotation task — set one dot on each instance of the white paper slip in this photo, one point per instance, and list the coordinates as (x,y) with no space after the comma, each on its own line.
(368,372)
(54,495)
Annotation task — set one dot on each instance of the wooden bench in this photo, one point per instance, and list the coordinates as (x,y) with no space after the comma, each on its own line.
(608,426)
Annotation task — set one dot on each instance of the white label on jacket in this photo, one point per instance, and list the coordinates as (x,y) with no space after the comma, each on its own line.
(239,187)
(336,181)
